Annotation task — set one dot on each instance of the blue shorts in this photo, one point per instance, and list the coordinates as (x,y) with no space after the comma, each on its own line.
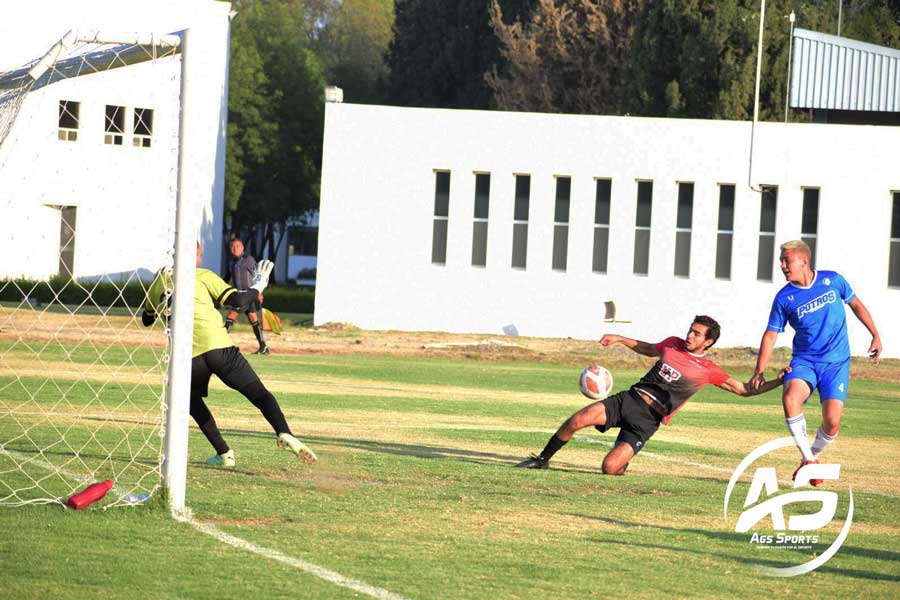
(831,379)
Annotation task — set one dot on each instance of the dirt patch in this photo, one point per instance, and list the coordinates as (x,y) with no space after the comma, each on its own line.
(345,338)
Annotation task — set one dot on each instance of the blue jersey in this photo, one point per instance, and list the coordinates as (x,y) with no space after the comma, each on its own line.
(817,315)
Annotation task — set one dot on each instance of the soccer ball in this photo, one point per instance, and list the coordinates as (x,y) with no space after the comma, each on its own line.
(595,382)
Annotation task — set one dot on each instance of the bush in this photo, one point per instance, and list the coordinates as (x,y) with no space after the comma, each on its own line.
(293,299)
(65,291)
(59,290)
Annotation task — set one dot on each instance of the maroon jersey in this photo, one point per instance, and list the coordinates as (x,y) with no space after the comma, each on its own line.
(677,376)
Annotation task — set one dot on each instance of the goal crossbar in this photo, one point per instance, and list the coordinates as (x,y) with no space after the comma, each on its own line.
(133,49)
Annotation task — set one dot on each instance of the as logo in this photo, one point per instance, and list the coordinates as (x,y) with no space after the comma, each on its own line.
(758,511)
(669,373)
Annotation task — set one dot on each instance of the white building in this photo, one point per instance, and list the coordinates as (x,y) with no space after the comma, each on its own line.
(88,171)
(471,221)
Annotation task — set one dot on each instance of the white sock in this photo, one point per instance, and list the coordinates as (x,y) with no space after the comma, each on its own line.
(797,427)
(822,441)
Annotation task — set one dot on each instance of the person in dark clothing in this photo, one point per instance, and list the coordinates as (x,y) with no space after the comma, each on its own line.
(681,370)
(240,272)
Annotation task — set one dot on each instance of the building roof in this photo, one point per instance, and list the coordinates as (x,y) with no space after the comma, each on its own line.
(831,72)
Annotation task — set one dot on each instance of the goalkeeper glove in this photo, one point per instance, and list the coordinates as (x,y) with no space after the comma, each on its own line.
(261,277)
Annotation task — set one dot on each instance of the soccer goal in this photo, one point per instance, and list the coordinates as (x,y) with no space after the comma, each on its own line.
(91,140)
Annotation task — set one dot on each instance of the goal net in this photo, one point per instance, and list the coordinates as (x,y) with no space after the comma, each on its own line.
(89,139)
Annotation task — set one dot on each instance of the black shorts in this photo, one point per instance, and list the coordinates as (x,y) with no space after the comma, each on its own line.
(228,364)
(254,307)
(637,422)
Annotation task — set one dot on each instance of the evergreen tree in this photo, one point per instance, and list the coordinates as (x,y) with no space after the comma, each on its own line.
(441,50)
(568,57)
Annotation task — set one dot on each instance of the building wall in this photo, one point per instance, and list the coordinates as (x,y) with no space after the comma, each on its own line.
(377,211)
(124,195)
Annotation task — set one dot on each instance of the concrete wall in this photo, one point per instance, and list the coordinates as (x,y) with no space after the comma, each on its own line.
(376,215)
(124,195)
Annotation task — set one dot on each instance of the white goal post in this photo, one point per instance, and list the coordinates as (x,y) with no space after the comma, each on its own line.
(86,393)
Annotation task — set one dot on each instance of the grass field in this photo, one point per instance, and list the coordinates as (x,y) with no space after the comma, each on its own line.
(415,495)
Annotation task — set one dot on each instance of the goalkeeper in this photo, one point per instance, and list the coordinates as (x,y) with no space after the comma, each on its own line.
(214,353)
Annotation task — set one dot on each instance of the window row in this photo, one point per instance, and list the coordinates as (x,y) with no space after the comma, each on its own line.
(766,249)
(140,124)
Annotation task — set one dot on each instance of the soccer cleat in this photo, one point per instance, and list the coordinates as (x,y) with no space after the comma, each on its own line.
(262,350)
(803,463)
(534,462)
(222,460)
(289,442)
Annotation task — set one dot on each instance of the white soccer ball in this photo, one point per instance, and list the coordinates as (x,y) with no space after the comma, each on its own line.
(595,382)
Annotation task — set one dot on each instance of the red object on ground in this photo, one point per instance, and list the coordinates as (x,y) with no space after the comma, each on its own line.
(89,495)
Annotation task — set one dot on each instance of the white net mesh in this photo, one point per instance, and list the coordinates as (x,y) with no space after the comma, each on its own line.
(88,161)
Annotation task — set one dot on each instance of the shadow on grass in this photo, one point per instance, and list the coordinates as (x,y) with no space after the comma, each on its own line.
(430,452)
(885,555)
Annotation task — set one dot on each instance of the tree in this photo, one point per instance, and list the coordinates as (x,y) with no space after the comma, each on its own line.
(441,50)
(567,58)
(352,41)
(275,120)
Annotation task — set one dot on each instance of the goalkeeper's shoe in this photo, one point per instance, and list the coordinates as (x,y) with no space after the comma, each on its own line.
(289,442)
(534,462)
(222,460)
(812,482)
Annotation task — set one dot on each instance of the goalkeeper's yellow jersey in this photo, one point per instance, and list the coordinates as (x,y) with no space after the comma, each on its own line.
(209,328)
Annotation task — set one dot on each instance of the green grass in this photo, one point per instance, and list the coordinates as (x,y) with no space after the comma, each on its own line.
(415,493)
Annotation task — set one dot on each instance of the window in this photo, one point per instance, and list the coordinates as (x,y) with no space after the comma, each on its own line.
(561,223)
(115,125)
(894,264)
(143,127)
(810,223)
(480,225)
(304,241)
(725,235)
(520,222)
(766,254)
(601,225)
(68,120)
(441,216)
(683,229)
(642,228)
(67,219)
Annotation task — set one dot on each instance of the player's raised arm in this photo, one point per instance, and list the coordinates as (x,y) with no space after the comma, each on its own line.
(638,346)
(241,299)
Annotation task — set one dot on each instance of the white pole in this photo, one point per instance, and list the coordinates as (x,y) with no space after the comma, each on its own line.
(178,392)
(787,91)
(840,6)
(762,20)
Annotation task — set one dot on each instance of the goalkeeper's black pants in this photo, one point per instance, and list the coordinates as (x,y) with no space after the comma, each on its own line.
(229,365)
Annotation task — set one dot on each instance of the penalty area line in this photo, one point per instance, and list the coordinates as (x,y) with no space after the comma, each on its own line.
(328,575)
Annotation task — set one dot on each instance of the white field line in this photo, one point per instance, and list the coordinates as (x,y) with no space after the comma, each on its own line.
(322,573)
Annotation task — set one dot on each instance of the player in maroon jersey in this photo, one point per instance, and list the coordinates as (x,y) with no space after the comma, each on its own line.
(681,371)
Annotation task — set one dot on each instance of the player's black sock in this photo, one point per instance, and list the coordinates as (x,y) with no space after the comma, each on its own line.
(212,433)
(257,331)
(552,447)
(228,324)
(263,399)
